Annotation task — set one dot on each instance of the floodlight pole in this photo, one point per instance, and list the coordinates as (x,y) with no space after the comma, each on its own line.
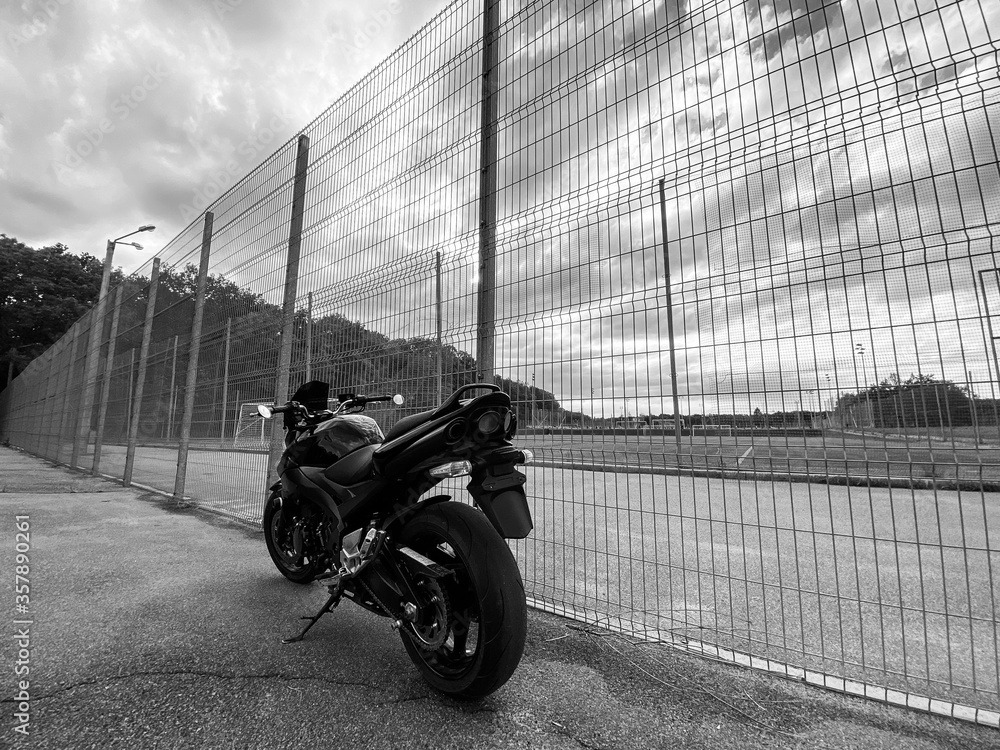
(670,318)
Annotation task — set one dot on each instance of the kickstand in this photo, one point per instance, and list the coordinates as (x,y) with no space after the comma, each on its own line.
(332,602)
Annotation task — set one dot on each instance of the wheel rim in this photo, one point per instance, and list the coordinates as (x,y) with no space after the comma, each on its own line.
(457,654)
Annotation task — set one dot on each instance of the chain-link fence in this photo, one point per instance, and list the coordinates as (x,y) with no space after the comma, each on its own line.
(736,264)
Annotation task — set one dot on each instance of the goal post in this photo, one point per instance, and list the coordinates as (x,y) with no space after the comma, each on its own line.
(251,427)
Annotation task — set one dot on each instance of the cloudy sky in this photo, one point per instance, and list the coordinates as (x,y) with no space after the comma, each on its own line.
(831,179)
(853,137)
(111,110)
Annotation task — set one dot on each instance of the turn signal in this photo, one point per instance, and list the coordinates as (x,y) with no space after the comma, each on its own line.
(528,456)
(453,469)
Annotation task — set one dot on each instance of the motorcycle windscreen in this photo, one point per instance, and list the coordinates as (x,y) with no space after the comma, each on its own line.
(314,395)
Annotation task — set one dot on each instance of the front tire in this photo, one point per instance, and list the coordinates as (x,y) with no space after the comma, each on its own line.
(487,617)
(281,547)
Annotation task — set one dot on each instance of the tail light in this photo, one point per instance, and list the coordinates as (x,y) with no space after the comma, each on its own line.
(490,422)
(455,431)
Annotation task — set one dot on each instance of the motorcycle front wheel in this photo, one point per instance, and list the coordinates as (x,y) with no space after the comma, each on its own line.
(471,645)
(280,545)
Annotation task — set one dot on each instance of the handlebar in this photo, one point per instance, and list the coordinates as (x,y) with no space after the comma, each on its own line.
(362,400)
(347,400)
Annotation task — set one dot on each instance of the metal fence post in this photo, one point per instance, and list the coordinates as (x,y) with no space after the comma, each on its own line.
(147,333)
(486,313)
(102,413)
(288,307)
(90,369)
(191,381)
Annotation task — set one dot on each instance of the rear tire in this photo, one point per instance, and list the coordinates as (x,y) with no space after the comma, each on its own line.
(281,547)
(487,616)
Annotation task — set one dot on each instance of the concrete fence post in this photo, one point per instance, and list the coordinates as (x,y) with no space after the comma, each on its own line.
(140,380)
(288,307)
(102,413)
(309,337)
(90,368)
(172,403)
(66,414)
(486,302)
(191,380)
(225,382)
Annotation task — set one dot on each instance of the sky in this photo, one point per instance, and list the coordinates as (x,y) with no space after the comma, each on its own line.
(854,137)
(112,110)
(831,184)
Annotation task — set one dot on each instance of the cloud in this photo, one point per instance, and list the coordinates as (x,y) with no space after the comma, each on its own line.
(791,138)
(118,112)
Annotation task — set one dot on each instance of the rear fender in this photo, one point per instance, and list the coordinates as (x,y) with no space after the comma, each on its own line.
(498,490)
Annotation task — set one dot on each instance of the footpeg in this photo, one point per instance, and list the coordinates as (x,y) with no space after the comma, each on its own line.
(331,579)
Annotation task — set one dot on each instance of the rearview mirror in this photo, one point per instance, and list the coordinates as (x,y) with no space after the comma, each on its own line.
(265,411)
(397,400)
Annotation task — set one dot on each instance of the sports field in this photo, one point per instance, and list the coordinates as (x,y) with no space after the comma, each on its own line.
(833,453)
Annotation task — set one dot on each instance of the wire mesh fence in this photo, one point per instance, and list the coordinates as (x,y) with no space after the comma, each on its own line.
(740,270)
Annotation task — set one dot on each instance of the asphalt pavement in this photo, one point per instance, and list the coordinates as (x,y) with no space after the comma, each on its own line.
(147,624)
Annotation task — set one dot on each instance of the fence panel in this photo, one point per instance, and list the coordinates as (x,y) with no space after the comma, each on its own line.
(744,271)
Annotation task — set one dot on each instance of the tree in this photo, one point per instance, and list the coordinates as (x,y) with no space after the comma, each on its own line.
(45,291)
(919,401)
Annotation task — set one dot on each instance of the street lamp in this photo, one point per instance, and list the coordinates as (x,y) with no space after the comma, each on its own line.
(93,350)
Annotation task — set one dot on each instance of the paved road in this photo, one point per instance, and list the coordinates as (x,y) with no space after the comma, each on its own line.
(883,585)
(154,626)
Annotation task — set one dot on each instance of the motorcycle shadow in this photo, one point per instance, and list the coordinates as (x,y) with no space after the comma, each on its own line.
(347,633)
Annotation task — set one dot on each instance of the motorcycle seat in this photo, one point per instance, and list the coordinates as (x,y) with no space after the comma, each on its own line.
(355,467)
(408,423)
(452,403)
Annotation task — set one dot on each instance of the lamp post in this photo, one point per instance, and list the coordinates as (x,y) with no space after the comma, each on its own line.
(94,348)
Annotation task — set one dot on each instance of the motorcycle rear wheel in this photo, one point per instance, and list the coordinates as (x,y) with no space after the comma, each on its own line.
(487,615)
(281,548)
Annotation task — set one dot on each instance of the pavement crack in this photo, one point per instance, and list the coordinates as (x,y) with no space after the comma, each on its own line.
(193,673)
(404,699)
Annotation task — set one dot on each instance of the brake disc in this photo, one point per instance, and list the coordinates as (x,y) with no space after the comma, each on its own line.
(432,631)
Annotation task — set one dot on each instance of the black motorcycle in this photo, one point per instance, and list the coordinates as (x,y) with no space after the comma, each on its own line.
(350,511)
